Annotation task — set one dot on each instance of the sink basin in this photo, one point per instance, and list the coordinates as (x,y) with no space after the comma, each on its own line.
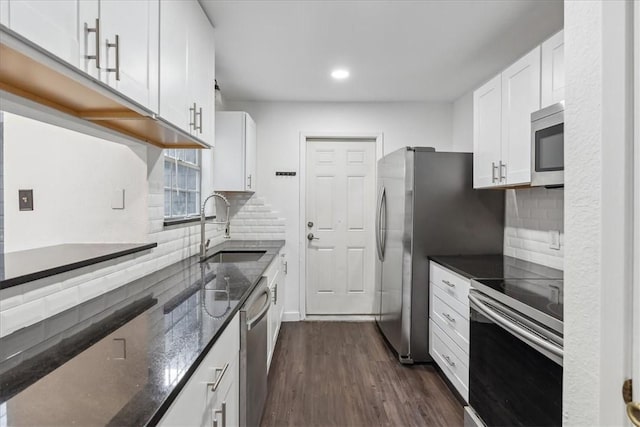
(235,256)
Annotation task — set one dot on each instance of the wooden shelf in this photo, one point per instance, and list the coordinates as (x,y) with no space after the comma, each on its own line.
(46,80)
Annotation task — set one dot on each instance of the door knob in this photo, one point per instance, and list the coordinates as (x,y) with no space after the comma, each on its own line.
(310,224)
(311,237)
(633,412)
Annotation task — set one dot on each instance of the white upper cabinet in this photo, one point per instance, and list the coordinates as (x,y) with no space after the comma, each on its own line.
(234,154)
(502,124)
(201,77)
(251,154)
(487,140)
(66,28)
(112,40)
(520,98)
(187,68)
(174,36)
(130,33)
(553,70)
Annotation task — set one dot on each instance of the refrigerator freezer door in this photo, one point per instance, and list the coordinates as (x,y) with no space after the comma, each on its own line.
(395,287)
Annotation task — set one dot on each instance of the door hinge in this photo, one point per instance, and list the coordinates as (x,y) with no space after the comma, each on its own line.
(627,391)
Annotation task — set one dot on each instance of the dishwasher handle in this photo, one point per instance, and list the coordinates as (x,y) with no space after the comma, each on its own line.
(251,323)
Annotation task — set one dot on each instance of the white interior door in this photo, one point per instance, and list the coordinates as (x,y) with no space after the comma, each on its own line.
(635,327)
(340,210)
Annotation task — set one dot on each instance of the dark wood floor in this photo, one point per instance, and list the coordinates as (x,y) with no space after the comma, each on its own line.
(343,374)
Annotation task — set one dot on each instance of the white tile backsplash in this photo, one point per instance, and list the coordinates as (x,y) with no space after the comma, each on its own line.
(21,309)
(530,214)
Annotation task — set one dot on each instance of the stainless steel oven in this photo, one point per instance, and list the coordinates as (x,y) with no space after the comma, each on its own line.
(515,353)
(547,146)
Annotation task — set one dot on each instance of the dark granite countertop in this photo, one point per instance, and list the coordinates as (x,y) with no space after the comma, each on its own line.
(123,357)
(33,264)
(496,266)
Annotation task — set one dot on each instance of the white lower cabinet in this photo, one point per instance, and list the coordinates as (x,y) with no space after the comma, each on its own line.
(276,276)
(449,326)
(211,396)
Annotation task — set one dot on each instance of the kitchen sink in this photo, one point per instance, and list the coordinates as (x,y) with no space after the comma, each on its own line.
(235,256)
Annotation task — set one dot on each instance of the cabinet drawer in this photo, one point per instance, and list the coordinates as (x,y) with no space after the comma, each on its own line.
(450,359)
(454,285)
(226,348)
(450,321)
(462,307)
(272,270)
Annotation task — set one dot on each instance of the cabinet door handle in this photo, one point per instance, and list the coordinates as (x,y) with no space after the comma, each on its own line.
(448,283)
(448,317)
(493,172)
(222,411)
(198,119)
(449,361)
(249,181)
(503,176)
(192,119)
(96,30)
(115,69)
(285,266)
(214,385)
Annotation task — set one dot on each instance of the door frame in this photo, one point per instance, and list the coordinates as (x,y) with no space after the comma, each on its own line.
(378,138)
(635,292)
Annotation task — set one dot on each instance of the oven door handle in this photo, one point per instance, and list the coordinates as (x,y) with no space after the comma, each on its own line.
(531,337)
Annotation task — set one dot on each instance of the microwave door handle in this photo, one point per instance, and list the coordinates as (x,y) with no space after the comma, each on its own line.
(532,338)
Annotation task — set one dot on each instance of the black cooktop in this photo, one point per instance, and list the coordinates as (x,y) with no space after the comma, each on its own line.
(542,294)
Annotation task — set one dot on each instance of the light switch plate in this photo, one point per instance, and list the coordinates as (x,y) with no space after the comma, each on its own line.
(25,200)
(117,199)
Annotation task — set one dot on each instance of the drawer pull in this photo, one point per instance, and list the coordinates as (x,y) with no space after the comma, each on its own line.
(214,385)
(223,412)
(448,317)
(449,361)
(448,283)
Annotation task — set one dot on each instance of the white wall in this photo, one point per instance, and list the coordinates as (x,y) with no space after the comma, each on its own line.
(73,177)
(462,123)
(598,173)
(279,125)
(59,165)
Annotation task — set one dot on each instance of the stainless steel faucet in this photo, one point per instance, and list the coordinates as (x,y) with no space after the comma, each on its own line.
(204,243)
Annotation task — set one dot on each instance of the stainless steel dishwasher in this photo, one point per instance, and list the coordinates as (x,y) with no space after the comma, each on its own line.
(253,354)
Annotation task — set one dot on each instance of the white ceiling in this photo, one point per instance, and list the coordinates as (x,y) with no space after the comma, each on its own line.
(433,50)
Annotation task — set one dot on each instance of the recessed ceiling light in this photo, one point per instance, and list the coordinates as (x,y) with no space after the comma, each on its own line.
(340,74)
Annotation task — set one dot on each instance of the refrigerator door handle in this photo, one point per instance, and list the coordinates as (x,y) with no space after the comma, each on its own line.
(383,223)
(378,228)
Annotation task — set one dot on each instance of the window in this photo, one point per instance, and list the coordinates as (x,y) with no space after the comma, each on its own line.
(181,183)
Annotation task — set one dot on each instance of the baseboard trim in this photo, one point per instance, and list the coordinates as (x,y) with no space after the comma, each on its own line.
(340,318)
(291,316)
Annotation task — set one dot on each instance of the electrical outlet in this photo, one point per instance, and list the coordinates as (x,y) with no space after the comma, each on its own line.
(25,200)
(554,239)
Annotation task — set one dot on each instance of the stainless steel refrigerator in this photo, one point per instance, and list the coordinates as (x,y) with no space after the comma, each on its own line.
(426,206)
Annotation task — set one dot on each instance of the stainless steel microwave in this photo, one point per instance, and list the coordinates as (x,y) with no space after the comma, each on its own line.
(547,146)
